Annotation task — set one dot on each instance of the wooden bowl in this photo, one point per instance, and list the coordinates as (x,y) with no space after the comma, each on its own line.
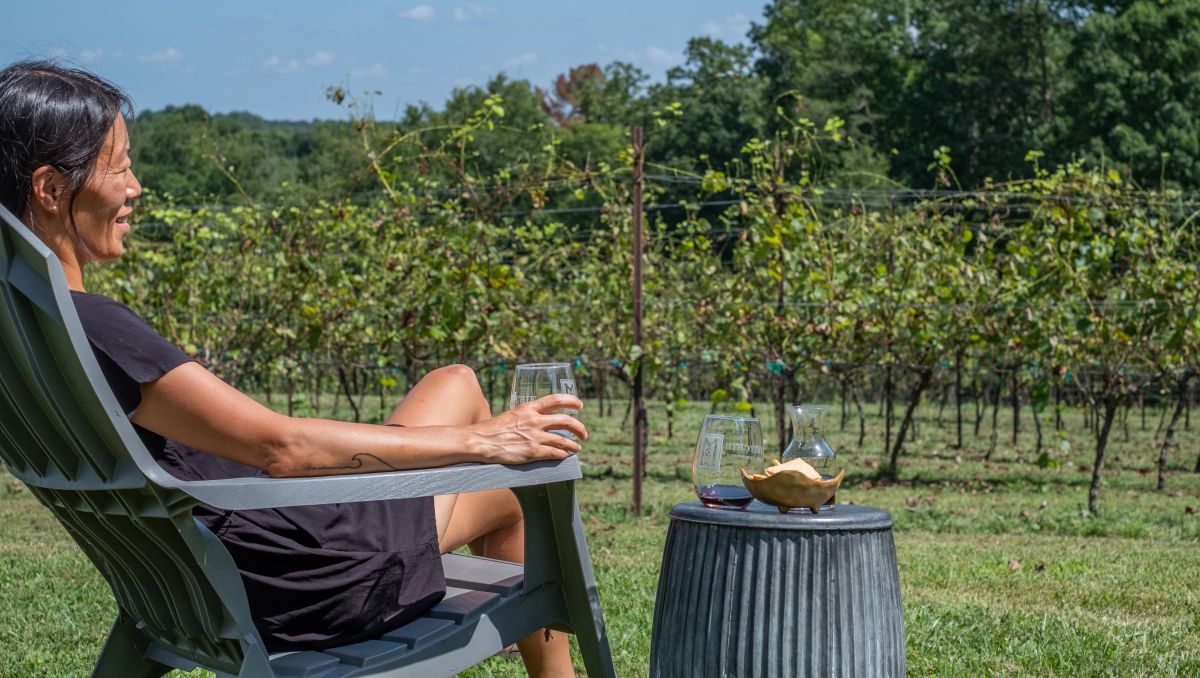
(786,490)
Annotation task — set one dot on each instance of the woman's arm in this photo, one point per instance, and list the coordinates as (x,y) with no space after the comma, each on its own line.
(192,406)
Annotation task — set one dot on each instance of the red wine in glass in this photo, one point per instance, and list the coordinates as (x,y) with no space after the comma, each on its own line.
(724,496)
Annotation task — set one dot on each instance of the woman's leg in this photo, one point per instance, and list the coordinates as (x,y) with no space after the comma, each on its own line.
(447,396)
(489,522)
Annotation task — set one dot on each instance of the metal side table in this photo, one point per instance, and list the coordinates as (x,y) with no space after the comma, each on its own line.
(757,593)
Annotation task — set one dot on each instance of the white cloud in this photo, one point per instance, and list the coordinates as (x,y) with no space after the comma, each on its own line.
(663,57)
(731,28)
(375,70)
(319,59)
(652,55)
(277,64)
(418,13)
(91,56)
(474,12)
(162,56)
(522,60)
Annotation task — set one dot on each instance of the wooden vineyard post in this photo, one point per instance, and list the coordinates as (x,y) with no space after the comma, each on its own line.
(639,402)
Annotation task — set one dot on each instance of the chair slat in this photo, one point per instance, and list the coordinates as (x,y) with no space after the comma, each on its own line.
(418,632)
(461,604)
(32,284)
(369,653)
(23,397)
(18,448)
(482,574)
(83,415)
(304,665)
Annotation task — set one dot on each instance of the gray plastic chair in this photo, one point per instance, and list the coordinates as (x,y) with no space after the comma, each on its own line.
(180,597)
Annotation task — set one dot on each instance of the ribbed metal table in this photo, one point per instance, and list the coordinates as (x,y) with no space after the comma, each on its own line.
(757,593)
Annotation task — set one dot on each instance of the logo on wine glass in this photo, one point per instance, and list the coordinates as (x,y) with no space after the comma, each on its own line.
(711,445)
(743,451)
(567,386)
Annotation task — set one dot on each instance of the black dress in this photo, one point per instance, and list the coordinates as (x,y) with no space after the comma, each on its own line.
(315,576)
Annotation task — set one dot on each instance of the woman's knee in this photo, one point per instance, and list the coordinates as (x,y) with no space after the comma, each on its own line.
(449,395)
(457,375)
(460,379)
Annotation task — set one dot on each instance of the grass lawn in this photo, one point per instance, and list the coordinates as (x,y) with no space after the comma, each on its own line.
(1003,572)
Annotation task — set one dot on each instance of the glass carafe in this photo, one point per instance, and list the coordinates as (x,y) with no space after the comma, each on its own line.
(808,438)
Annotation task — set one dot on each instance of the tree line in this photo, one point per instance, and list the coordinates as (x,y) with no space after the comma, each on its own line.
(1114,84)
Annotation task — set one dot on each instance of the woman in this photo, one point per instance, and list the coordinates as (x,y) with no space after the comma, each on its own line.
(316,576)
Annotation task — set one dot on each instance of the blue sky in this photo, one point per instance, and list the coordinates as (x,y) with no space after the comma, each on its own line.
(276,59)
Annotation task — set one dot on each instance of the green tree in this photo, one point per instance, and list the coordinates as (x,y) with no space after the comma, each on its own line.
(511,109)
(850,60)
(719,97)
(595,108)
(908,78)
(985,87)
(1135,93)
(172,155)
(614,94)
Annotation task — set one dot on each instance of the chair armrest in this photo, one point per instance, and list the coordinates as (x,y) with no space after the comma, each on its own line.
(239,494)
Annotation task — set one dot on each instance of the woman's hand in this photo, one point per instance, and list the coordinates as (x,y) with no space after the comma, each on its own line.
(522,434)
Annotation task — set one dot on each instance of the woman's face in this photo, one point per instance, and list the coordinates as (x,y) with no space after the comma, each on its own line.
(102,206)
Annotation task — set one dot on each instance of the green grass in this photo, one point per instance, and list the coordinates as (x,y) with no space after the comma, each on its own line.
(1003,571)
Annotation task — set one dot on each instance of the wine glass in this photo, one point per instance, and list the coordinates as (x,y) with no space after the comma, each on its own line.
(536,380)
(726,445)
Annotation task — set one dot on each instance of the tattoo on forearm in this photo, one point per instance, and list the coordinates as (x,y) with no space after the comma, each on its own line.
(356,462)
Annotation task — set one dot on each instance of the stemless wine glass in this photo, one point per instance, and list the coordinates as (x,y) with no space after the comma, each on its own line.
(535,380)
(726,445)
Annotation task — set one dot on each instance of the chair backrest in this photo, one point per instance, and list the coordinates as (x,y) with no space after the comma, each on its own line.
(63,433)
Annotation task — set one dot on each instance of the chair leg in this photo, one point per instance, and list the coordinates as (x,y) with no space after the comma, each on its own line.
(578,582)
(123,655)
(256,665)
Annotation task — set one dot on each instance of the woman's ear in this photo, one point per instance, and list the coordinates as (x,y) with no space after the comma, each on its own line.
(47,187)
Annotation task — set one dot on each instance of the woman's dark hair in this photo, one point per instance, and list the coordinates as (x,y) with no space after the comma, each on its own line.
(56,116)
